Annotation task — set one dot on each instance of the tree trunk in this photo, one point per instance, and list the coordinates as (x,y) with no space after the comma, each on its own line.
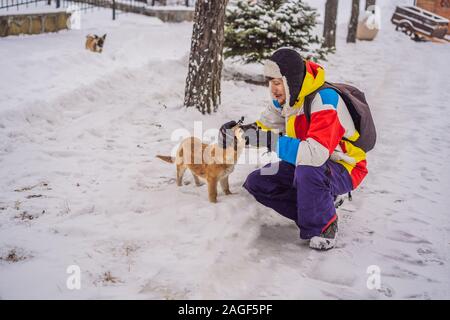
(370,3)
(353,24)
(205,61)
(329,29)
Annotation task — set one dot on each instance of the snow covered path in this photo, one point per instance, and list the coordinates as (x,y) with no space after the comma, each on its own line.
(90,192)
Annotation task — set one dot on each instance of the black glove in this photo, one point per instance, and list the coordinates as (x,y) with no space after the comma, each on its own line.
(249,126)
(253,135)
(226,136)
(227,126)
(256,137)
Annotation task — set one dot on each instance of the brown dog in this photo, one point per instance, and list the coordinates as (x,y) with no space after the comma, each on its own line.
(95,43)
(209,162)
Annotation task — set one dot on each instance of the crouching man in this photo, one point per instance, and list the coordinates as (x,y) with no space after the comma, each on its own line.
(318,159)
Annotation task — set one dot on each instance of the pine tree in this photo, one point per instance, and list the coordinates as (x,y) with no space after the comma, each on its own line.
(254,29)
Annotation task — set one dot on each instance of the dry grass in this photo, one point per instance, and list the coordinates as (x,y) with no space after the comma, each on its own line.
(13,256)
(107,277)
(31,196)
(25,216)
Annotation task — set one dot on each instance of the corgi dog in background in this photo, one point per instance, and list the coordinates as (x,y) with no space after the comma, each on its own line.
(95,43)
(208,162)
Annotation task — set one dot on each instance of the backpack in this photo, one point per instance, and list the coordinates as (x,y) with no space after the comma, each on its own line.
(359,110)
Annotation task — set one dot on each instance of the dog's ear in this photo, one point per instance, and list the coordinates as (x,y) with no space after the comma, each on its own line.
(104,36)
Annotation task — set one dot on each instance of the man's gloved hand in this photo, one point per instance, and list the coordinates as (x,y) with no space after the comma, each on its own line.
(257,137)
(253,135)
(227,126)
(249,126)
(226,136)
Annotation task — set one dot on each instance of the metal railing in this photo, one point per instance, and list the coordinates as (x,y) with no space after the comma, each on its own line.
(6,4)
(83,5)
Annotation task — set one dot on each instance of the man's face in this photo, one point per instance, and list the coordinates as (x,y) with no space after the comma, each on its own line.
(277,90)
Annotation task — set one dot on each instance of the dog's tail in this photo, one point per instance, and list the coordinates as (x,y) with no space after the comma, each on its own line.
(166,158)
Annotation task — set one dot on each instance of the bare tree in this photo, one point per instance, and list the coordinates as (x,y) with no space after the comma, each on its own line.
(205,60)
(353,24)
(329,29)
(370,3)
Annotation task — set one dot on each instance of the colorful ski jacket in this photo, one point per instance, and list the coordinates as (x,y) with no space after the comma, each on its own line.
(330,131)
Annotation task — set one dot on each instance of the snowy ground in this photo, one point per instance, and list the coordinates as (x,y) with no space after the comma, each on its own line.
(80,184)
